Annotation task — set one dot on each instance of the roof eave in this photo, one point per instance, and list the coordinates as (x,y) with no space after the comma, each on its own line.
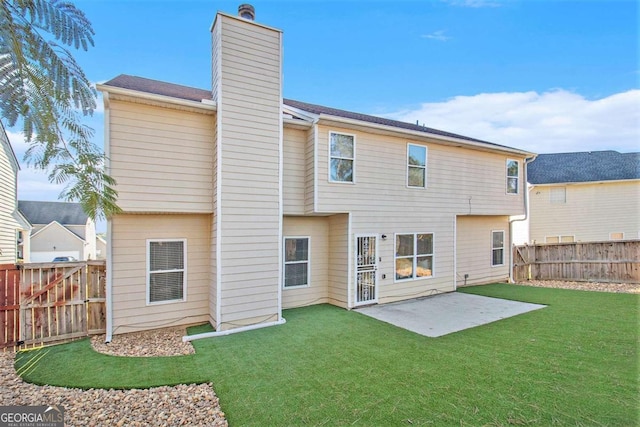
(205,105)
(459,142)
(610,181)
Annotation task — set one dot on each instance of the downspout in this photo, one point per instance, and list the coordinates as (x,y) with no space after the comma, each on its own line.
(214,334)
(109,266)
(526,216)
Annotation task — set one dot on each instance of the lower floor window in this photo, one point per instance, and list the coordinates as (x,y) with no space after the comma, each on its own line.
(166,264)
(296,261)
(497,248)
(414,256)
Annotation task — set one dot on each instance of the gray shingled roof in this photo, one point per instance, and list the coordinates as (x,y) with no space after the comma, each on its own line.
(45,212)
(193,94)
(159,88)
(589,166)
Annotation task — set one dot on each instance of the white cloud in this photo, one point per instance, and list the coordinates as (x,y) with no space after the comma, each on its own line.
(436,35)
(33,184)
(549,122)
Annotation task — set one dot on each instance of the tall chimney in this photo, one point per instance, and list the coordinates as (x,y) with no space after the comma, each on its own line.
(247,11)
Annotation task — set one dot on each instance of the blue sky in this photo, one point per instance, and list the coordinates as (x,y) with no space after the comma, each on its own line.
(545,76)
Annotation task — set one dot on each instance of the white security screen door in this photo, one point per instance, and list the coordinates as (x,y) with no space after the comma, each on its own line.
(366,269)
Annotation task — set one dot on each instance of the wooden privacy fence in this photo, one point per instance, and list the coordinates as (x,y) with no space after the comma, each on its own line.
(9,305)
(611,261)
(57,301)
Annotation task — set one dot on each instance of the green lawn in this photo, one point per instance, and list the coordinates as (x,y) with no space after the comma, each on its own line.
(572,363)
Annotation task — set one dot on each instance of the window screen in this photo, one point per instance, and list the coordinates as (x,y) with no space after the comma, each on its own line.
(166,270)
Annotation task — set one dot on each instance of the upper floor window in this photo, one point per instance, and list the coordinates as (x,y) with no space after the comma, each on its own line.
(558,195)
(416,166)
(342,157)
(296,261)
(513,167)
(166,270)
(414,256)
(497,248)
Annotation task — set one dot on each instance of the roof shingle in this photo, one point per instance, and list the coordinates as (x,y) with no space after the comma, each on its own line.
(591,166)
(45,212)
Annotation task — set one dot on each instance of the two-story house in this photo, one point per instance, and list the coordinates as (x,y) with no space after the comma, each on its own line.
(584,196)
(13,226)
(238,203)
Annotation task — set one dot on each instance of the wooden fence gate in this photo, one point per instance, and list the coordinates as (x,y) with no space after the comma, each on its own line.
(59,301)
(615,261)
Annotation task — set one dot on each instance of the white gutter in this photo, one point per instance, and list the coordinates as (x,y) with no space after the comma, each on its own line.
(424,134)
(214,334)
(205,104)
(526,216)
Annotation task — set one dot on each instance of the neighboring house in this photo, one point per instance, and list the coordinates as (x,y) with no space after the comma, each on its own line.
(580,197)
(238,203)
(59,229)
(12,224)
(101,247)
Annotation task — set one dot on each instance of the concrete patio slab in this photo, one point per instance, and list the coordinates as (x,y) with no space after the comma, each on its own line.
(444,314)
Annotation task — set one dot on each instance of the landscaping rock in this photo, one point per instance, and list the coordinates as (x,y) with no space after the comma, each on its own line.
(182,405)
(158,342)
(628,288)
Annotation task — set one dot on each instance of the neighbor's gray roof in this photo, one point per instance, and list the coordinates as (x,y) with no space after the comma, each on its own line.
(592,166)
(45,212)
(193,94)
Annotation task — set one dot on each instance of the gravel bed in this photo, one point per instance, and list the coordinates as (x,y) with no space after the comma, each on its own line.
(182,405)
(158,342)
(627,288)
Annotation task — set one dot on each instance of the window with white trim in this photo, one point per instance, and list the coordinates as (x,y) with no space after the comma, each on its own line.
(414,256)
(559,239)
(513,167)
(558,195)
(342,156)
(296,262)
(416,166)
(166,270)
(497,248)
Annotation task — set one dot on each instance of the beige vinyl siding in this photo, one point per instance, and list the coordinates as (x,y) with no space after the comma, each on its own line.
(459,180)
(250,141)
(592,211)
(310,176)
(129,252)
(317,230)
(339,260)
(474,249)
(216,43)
(161,158)
(294,173)
(8,225)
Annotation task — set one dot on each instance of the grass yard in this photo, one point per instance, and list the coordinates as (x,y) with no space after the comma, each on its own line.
(572,363)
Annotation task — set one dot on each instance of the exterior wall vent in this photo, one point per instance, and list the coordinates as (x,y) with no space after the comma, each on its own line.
(247,11)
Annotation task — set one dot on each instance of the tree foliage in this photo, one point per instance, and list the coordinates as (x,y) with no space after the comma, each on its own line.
(44,89)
